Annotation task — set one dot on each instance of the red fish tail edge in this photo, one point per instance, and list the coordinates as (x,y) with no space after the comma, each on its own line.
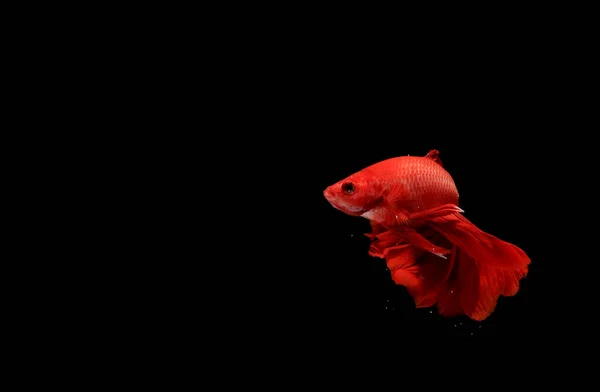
(486,268)
(483,247)
(474,289)
(479,269)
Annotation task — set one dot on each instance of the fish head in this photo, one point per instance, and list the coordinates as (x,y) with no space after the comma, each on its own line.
(355,194)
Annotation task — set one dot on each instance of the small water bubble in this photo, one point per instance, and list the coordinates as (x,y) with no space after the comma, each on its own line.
(460,323)
(431,311)
(471,333)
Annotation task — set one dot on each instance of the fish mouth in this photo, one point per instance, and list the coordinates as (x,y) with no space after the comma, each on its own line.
(354,211)
(350,210)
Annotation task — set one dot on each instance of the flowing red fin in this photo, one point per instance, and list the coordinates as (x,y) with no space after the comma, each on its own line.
(400,257)
(437,212)
(390,238)
(474,288)
(384,240)
(434,155)
(423,276)
(396,207)
(396,215)
(483,247)
(511,280)
(479,290)
(376,229)
(382,243)
(420,242)
(449,298)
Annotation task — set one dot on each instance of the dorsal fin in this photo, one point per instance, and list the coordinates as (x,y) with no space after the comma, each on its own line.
(434,155)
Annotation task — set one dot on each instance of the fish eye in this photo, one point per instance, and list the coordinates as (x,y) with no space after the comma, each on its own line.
(348,188)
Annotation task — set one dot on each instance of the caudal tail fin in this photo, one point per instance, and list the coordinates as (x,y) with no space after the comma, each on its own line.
(488,250)
(474,288)
(486,268)
(479,269)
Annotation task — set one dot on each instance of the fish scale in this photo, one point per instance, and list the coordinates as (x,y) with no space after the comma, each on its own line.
(423,183)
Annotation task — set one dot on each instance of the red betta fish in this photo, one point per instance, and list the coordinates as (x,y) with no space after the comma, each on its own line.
(429,246)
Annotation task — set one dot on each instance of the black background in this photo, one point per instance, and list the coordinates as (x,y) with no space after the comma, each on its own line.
(299,115)
(511,135)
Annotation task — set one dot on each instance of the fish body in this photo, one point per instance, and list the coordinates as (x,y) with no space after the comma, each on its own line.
(401,185)
(429,246)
